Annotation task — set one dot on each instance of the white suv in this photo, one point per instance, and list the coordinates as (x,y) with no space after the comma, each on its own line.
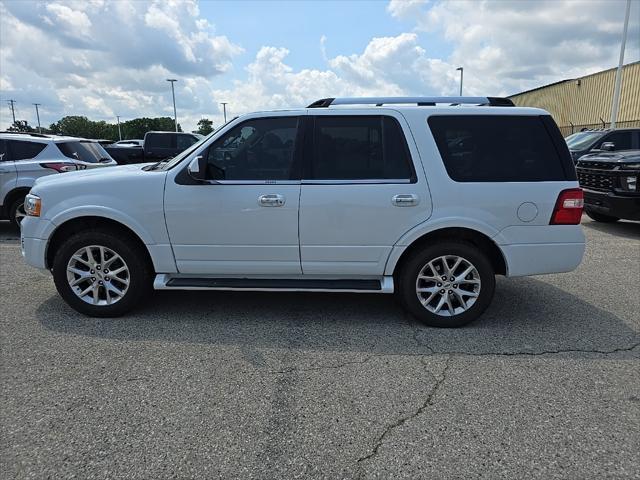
(24,157)
(403,195)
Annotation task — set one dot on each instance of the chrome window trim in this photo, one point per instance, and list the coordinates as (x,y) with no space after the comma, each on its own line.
(371,181)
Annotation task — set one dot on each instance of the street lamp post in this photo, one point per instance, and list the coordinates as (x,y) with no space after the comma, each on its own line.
(173,94)
(224,110)
(119,131)
(38,116)
(616,88)
(461,75)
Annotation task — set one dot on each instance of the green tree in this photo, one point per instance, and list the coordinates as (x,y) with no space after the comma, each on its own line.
(79,126)
(137,127)
(20,126)
(205,126)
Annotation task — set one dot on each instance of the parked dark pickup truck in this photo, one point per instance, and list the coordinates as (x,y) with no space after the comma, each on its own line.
(156,146)
(610,184)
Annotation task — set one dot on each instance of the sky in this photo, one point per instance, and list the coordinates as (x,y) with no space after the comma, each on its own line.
(103,58)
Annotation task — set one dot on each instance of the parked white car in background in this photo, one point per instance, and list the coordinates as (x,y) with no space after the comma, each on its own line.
(357,195)
(25,157)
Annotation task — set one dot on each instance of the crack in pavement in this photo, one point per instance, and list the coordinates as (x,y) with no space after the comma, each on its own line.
(401,421)
(539,353)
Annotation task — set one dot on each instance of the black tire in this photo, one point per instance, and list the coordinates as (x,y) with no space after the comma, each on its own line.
(140,274)
(14,208)
(407,276)
(599,217)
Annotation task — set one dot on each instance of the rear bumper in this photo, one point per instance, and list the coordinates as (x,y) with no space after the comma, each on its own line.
(542,258)
(608,203)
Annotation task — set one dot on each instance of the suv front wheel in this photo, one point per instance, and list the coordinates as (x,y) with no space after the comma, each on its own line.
(100,274)
(449,284)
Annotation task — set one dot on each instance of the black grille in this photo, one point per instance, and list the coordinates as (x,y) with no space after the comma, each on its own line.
(597,165)
(595,180)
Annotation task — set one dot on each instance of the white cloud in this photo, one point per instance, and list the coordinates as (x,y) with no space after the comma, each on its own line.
(73,20)
(507,46)
(102,58)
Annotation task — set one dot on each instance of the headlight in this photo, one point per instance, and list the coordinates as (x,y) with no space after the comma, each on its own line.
(32,205)
(629,183)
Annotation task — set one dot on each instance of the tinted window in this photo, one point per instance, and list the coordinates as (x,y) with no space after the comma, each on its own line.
(3,151)
(582,140)
(84,151)
(621,140)
(185,141)
(359,148)
(260,149)
(20,150)
(488,148)
(160,140)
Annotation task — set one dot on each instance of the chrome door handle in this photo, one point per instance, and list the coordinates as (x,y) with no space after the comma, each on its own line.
(405,200)
(271,200)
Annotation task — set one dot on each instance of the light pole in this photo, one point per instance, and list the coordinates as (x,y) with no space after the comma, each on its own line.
(461,75)
(173,94)
(616,88)
(224,109)
(38,116)
(13,111)
(119,131)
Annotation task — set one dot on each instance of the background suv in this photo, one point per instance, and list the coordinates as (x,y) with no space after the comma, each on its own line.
(24,157)
(424,200)
(581,143)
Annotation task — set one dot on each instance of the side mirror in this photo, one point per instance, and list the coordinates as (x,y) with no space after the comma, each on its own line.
(197,168)
(608,146)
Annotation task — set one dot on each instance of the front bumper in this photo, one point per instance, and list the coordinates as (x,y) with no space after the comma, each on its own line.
(608,203)
(33,241)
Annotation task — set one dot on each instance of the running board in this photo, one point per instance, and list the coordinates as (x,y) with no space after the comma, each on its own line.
(168,282)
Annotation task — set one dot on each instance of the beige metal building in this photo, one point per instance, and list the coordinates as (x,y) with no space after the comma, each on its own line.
(585,102)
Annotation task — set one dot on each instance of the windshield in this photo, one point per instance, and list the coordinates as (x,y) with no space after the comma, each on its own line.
(178,158)
(83,150)
(582,140)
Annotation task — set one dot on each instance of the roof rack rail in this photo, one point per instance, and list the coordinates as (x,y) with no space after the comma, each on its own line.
(420,101)
(33,134)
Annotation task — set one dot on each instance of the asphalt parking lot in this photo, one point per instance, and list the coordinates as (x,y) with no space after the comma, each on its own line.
(260,385)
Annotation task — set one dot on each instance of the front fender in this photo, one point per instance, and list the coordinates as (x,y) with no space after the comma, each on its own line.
(99,211)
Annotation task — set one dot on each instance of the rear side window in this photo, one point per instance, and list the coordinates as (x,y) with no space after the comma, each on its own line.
(91,152)
(185,141)
(621,140)
(20,150)
(160,140)
(492,148)
(360,148)
(3,151)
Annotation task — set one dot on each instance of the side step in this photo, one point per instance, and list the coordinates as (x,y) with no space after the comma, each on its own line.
(167,282)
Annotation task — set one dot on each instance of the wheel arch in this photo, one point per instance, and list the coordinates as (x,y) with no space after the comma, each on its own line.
(91,222)
(17,192)
(476,238)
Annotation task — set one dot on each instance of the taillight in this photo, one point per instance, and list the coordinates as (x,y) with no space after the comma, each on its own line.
(61,166)
(568,209)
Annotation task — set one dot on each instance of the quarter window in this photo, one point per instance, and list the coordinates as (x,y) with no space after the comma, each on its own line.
(21,150)
(359,148)
(492,148)
(259,149)
(621,140)
(185,141)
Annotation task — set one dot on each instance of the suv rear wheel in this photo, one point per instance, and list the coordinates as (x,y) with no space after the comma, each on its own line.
(599,217)
(100,274)
(449,284)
